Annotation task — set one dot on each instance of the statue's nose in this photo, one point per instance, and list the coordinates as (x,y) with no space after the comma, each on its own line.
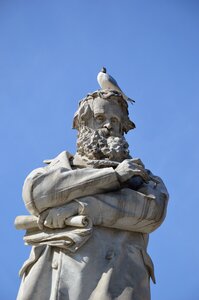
(107,125)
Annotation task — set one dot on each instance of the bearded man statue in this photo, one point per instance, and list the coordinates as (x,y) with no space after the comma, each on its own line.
(94,213)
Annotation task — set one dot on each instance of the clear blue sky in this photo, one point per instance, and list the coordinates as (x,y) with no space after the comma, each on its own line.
(50,54)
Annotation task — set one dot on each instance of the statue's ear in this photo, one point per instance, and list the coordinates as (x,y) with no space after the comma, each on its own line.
(128,125)
(75,121)
(83,114)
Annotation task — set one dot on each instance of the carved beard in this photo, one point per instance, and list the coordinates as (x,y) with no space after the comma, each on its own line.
(100,145)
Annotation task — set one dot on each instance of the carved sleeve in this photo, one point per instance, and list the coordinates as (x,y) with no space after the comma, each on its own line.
(128,209)
(50,187)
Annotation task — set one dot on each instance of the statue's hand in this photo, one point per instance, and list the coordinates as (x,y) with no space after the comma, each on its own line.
(129,168)
(55,217)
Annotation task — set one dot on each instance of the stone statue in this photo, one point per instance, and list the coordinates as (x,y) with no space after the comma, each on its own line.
(91,213)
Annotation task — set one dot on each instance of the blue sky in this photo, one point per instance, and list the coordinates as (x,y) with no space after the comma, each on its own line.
(50,54)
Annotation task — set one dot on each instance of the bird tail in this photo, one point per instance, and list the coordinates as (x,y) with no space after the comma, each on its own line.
(130,100)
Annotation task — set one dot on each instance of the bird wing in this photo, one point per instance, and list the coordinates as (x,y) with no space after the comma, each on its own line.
(113,81)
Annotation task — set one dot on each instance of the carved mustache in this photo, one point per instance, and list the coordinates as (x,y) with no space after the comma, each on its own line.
(105,132)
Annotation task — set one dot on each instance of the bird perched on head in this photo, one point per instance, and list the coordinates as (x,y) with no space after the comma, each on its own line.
(106,81)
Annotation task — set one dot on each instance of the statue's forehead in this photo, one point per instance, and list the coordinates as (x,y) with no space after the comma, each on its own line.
(106,106)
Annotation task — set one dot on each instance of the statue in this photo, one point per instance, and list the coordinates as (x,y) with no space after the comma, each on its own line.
(91,213)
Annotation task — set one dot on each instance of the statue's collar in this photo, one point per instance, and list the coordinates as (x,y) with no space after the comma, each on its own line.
(79,161)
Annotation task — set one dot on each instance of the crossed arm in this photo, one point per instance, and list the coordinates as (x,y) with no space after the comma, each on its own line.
(55,194)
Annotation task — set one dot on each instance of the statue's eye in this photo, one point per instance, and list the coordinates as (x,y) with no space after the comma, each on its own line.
(114,120)
(100,118)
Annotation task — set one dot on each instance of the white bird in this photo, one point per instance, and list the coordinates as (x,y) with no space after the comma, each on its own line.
(106,81)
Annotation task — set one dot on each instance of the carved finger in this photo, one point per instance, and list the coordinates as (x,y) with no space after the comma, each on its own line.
(40,223)
(56,220)
(145,176)
(48,222)
(41,219)
(61,222)
(142,174)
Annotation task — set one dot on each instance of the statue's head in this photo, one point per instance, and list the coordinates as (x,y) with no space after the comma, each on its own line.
(102,119)
(104,109)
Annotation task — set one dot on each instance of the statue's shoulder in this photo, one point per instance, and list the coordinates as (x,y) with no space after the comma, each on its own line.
(63,160)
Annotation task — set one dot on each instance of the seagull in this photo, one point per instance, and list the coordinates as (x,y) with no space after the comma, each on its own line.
(106,81)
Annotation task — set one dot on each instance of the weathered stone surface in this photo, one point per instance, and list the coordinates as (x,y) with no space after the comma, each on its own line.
(123,202)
